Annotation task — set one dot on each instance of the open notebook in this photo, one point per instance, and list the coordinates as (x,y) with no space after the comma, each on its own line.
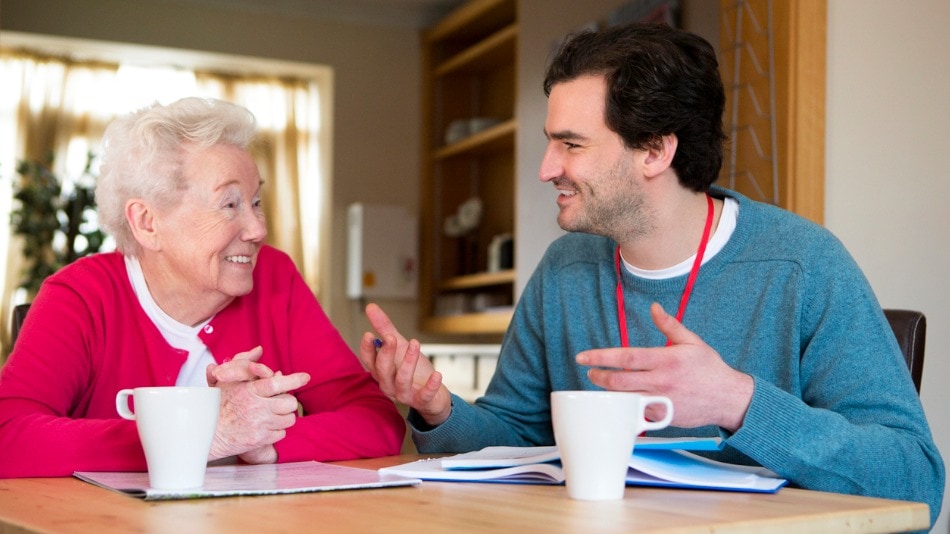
(266,479)
(655,462)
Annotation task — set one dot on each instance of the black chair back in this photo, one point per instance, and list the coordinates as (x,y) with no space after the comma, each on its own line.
(910,329)
(19,314)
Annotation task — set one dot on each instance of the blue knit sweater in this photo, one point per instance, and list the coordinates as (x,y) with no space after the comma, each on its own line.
(834,407)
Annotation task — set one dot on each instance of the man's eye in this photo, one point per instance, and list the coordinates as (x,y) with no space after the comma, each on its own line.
(571,145)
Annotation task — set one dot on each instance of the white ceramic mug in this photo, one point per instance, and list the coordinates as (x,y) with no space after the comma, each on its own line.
(595,433)
(176,426)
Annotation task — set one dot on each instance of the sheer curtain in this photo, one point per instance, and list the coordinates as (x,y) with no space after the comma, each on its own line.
(61,106)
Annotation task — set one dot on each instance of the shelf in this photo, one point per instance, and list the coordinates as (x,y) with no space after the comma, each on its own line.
(469,66)
(498,137)
(488,53)
(471,281)
(470,323)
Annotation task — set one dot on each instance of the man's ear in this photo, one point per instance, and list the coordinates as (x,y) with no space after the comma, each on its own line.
(141,218)
(659,155)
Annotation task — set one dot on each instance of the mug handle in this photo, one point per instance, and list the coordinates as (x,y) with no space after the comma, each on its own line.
(122,404)
(663,423)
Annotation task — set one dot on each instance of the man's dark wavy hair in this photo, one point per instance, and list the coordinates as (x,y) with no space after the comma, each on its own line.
(660,81)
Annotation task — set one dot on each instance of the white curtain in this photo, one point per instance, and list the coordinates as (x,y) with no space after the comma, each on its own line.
(61,106)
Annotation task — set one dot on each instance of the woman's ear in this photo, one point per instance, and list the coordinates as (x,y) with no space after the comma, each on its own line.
(141,220)
(659,155)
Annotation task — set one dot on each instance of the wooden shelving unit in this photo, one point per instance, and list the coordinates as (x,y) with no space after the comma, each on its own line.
(468,64)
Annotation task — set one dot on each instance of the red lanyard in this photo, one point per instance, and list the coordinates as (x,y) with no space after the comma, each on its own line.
(687,291)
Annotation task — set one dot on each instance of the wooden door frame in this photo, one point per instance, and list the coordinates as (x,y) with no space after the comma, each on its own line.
(795,49)
(801,30)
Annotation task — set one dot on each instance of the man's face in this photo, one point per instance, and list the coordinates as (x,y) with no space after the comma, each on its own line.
(596,176)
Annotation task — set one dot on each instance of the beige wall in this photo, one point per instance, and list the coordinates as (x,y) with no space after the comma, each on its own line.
(887,164)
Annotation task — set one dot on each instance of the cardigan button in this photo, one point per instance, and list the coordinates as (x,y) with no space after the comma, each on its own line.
(209,329)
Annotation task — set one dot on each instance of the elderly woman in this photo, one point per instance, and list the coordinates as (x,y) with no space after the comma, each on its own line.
(192,297)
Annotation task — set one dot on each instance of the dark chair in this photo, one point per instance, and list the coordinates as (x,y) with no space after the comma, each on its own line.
(910,328)
(19,314)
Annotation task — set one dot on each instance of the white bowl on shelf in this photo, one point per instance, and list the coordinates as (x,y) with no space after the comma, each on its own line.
(479,124)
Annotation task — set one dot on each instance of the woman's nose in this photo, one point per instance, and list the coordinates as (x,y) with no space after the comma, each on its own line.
(255,227)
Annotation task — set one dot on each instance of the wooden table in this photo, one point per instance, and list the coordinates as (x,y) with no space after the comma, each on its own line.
(70,505)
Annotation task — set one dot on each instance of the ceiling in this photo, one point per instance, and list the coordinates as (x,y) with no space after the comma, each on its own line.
(394,13)
(410,14)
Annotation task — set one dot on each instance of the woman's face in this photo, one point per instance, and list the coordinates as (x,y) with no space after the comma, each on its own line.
(210,240)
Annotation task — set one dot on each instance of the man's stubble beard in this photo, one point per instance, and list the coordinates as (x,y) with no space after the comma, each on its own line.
(618,213)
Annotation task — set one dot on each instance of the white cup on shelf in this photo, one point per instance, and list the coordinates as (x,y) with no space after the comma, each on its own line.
(478,124)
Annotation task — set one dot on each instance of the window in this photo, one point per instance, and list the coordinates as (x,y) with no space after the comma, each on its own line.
(59,95)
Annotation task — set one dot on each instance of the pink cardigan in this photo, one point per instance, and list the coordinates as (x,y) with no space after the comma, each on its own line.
(86,337)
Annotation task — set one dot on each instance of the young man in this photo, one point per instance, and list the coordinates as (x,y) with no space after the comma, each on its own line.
(778,344)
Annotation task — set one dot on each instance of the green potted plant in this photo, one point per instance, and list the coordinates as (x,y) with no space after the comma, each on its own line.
(58,225)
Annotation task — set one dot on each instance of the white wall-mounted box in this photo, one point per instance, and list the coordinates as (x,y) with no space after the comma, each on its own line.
(382,252)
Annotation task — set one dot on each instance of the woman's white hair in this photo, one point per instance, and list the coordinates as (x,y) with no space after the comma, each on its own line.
(144,153)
